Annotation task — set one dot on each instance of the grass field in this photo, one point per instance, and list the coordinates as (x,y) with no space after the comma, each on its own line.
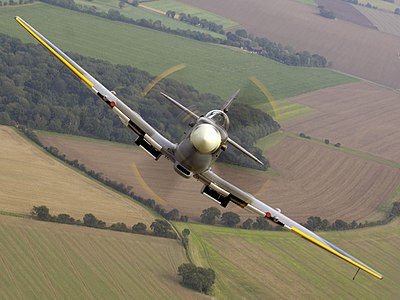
(58,187)
(280,265)
(42,260)
(210,68)
(382,4)
(139,12)
(179,7)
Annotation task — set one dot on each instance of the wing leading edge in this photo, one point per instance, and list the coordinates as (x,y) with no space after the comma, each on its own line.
(249,202)
(149,139)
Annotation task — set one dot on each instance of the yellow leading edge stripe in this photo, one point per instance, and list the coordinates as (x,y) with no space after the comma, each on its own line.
(63,60)
(311,239)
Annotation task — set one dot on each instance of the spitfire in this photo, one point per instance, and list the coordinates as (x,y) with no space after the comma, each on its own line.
(196,153)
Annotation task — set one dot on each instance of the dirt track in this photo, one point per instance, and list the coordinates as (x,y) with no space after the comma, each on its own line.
(314,180)
(353,49)
(361,116)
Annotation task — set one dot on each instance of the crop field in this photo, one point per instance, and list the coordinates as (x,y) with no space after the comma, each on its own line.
(321,180)
(313,179)
(42,260)
(381,4)
(346,11)
(179,7)
(139,12)
(280,265)
(353,49)
(209,68)
(35,178)
(385,21)
(361,116)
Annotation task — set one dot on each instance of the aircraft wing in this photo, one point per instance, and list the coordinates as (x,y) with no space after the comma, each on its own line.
(149,139)
(223,192)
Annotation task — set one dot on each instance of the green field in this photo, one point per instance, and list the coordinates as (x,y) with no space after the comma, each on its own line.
(381,4)
(280,265)
(138,13)
(209,68)
(41,260)
(178,7)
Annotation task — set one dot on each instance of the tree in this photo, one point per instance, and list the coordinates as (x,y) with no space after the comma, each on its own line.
(241,32)
(262,223)
(172,215)
(119,227)
(326,141)
(210,215)
(162,228)
(230,219)
(314,223)
(91,221)
(395,211)
(41,212)
(139,228)
(65,218)
(247,224)
(197,278)
(185,232)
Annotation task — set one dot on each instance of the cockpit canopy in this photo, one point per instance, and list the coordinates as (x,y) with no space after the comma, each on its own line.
(219,117)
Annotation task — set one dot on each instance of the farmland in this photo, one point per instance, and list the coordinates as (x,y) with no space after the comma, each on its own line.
(178,7)
(353,49)
(42,260)
(313,179)
(56,186)
(361,116)
(279,265)
(385,21)
(210,68)
(137,13)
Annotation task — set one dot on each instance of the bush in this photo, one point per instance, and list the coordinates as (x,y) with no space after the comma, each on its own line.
(197,278)
(41,212)
(139,228)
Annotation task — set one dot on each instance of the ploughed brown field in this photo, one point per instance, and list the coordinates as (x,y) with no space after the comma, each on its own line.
(314,179)
(361,116)
(354,49)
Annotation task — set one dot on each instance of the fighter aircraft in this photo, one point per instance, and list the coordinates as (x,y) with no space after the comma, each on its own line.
(195,154)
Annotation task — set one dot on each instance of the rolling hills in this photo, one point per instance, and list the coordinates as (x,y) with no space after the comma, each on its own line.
(279,265)
(209,67)
(41,260)
(353,49)
(313,179)
(35,178)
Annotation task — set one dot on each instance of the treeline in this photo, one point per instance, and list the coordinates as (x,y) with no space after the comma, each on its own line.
(36,91)
(159,227)
(315,223)
(13,2)
(172,215)
(196,21)
(213,216)
(249,42)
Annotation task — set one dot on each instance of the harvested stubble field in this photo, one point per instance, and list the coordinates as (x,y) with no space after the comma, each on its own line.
(361,116)
(314,180)
(351,48)
(280,265)
(35,178)
(41,260)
